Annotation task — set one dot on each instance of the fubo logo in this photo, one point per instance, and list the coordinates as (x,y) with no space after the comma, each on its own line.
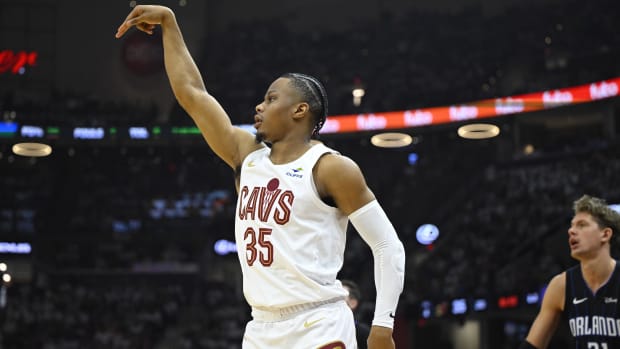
(557,97)
(463,112)
(418,118)
(371,122)
(603,90)
(509,106)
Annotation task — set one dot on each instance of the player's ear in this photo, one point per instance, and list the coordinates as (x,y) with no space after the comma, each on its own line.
(301,110)
(607,234)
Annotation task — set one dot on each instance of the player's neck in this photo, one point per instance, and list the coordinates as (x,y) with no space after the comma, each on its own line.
(597,271)
(285,151)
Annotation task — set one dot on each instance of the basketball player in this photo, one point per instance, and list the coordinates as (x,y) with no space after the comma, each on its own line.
(587,294)
(354,299)
(295,199)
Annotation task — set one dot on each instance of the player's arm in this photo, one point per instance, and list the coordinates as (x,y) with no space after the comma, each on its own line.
(340,178)
(228,142)
(547,320)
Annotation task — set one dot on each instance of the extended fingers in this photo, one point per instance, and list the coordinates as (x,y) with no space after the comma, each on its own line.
(138,23)
(121,30)
(132,19)
(143,17)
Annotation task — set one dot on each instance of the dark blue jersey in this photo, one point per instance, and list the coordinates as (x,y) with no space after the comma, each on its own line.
(593,318)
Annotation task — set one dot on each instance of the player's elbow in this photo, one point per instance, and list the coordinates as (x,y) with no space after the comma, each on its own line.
(398,260)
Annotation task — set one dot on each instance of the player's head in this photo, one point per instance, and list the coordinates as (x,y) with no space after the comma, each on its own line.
(593,226)
(600,211)
(355,296)
(311,91)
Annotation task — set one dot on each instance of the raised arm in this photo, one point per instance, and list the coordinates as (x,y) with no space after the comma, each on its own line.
(340,178)
(228,142)
(546,322)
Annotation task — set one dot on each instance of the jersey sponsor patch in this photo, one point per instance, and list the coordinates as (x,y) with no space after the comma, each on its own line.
(295,172)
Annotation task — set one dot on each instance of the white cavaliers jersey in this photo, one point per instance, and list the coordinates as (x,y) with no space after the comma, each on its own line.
(289,242)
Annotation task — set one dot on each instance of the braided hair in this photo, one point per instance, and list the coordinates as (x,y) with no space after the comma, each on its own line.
(313,93)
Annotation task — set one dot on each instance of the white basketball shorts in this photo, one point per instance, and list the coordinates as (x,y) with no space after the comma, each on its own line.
(327,326)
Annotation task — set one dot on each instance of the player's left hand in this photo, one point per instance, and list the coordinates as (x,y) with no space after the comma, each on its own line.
(145,18)
(380,338)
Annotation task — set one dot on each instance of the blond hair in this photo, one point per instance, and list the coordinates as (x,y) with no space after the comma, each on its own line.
(604,216)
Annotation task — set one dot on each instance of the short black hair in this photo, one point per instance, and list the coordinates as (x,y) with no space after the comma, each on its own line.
(313,93)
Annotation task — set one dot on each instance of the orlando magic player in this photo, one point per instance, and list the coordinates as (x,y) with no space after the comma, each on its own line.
(588,294)
(295,200)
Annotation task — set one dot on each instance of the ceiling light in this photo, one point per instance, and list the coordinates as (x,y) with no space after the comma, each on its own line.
(478,131)
(391,140)
(32,149)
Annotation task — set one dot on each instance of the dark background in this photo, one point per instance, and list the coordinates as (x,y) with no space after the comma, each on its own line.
(122,231)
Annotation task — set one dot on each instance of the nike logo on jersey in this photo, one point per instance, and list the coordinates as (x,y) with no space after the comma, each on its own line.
(578,301)
(392,315)
(611,300)
(251,163)
(308,324)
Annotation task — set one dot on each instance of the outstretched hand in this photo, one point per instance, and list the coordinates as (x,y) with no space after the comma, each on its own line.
(145,18)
